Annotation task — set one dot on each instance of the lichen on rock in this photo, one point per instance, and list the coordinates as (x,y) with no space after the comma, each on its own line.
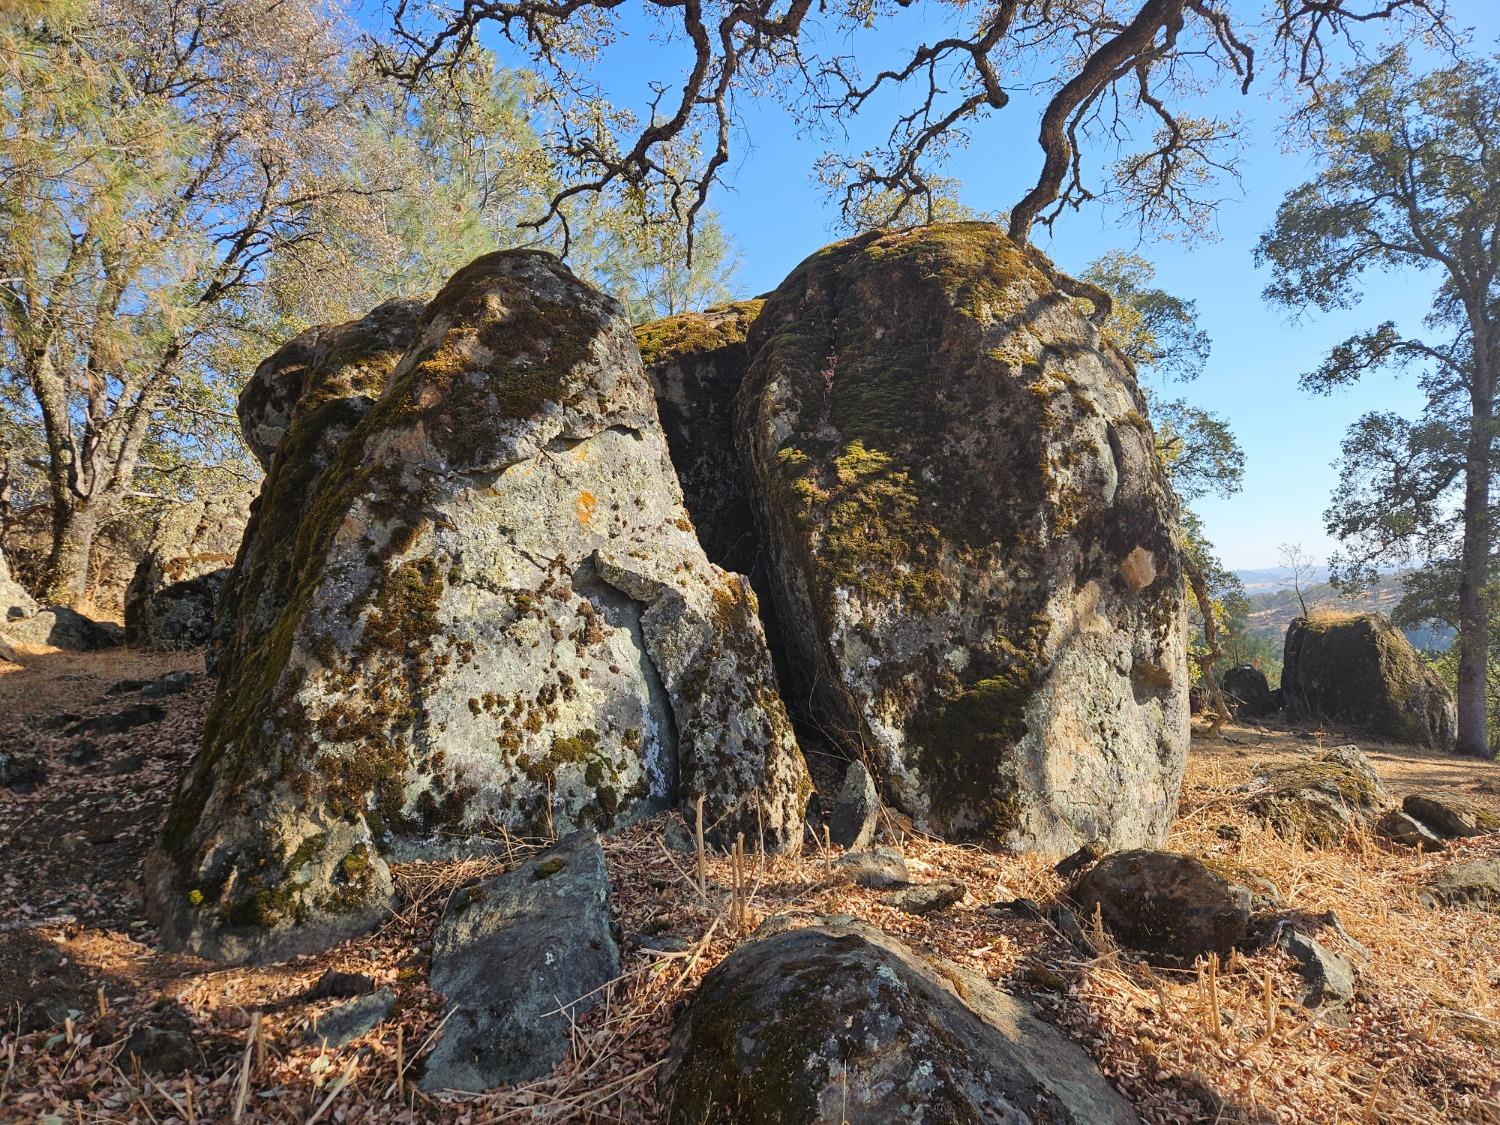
(486,613)
(974,552)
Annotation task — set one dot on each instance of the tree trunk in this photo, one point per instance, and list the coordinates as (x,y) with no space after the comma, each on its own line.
(1199,585)
(1474,573)
(72,550)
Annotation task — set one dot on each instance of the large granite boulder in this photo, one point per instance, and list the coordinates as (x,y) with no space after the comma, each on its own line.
(973,549)
(517,958)
(697,362)
(295,412)
(836,1022)
(494,615)
(170,602)
(1360,670)
(1249,692)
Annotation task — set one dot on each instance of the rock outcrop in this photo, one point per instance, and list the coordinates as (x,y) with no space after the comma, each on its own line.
(170,602)
(972,547)
(836,1022)
(487,609)
(1172,908)
(15,603)
(1322,800)
(518,958)
(1248,691)
(1360,670)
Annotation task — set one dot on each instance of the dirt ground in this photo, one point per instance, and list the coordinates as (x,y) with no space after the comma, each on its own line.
(79,969)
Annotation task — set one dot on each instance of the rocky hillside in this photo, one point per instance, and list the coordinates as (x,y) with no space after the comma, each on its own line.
(1272,609)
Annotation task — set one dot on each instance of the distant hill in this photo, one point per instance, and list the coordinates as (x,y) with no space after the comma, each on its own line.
(1273,606)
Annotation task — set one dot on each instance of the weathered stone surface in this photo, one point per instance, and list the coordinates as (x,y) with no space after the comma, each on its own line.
(1474,882)
(15,602)
(1172,908)
(881,867)
(329,363)
(1451,816)
(493,614)
(1321,800)
(302,401)
(1396,826)
(1248,691)
(1362,671)
(973,549)
(854,817)
(163,1051)
(1329,978)
(24,622)
(346,1022)
(697,362)
(21,772)
(837,1022)
(169,604)
(517,955)
(925,898)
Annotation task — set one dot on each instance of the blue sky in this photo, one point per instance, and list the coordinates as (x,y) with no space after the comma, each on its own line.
(777,214)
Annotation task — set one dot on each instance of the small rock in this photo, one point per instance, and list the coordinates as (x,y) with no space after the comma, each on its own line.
(1172,908)
(20,774)
(518,957)
(1084,858)
(854,817)
(351,1019)
(1229,832)
(334,984)
(878,868)
(1474,882)
(925,898)
(1329,977)
(84,753)
(1449,816)
(173,683)
(1025,907)
(162,1051)
(136,715)
(1396,826)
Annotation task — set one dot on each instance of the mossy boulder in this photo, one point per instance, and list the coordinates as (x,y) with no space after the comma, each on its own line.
(1321,800)
(1360,670)
(483,611)
(973,550)
(1249,692)
(696,362)
(837,1022)
(1172,908)
(295,412)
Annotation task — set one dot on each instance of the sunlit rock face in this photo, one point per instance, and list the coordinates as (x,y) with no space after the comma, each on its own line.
(973,548)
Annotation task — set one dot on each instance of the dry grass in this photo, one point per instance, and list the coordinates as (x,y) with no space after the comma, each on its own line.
(1227,1043)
